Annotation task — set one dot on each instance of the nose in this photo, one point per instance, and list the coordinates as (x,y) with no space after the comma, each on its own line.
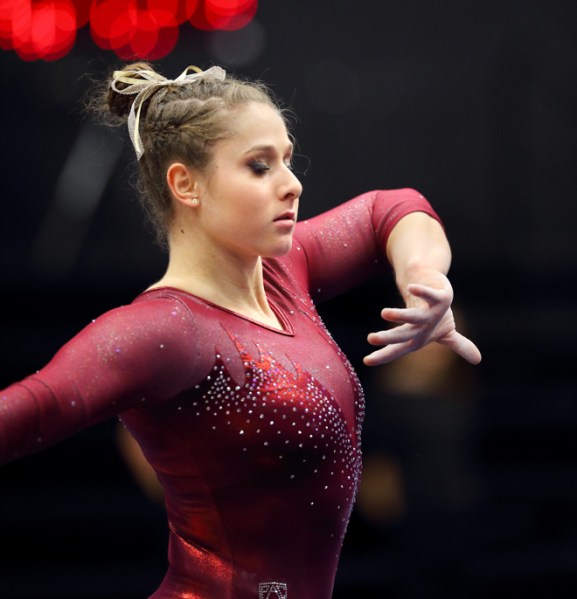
(293,187)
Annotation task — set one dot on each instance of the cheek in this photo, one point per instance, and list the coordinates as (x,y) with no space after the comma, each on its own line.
(252,220)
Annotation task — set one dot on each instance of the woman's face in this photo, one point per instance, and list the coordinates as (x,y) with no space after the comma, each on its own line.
(248,195)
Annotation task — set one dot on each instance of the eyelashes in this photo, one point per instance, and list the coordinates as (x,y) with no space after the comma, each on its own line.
(258,167)
(299,164)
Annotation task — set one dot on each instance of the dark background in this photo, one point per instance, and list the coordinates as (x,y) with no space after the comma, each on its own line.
(475,105)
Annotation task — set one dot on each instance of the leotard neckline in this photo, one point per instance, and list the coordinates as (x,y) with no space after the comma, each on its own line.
(287,328)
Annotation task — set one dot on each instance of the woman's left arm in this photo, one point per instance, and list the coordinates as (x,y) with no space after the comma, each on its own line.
(420,255)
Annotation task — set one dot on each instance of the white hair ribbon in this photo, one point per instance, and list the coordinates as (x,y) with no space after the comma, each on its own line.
(148,83)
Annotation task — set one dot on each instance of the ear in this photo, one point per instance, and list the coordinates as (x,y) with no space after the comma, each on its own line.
(182,182)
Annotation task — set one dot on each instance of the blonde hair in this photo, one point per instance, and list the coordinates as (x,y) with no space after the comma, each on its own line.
(178,123)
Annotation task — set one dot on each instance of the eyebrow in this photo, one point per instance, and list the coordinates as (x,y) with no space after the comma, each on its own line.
(268,148)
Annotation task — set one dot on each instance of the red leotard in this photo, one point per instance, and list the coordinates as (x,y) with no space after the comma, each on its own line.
(254,432)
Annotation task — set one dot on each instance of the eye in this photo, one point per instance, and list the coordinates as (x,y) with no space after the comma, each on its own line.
(258,167)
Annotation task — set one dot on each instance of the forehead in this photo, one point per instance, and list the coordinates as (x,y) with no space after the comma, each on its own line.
(258,123)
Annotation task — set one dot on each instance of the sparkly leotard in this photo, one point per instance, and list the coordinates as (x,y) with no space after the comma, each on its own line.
(253,431)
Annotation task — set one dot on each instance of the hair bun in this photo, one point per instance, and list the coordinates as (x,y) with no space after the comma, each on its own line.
(120,104)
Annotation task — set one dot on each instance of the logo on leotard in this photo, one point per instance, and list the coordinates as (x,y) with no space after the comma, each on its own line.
(272,590)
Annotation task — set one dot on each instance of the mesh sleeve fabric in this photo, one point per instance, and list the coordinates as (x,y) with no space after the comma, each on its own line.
(345,246)
(139,353)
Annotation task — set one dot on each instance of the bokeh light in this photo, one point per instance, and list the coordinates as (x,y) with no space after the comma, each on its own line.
(38,30)
(133,29)
(82,12)
(227,15)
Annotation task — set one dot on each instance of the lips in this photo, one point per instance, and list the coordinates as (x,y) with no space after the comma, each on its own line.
(288,215)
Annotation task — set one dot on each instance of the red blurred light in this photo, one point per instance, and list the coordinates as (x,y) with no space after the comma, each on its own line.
(133,32)
(15,21)
(46,29)
(149,40)
(111,22)
(161,12)
(142,39)
(8,9)
(53,30)
(82,12)
(224,14)
(41,30)
(176,11)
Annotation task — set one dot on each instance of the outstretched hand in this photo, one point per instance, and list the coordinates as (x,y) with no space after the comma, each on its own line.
(428,317)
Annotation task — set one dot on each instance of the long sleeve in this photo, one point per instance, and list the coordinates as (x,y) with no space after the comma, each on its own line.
(346,245)
(139,353)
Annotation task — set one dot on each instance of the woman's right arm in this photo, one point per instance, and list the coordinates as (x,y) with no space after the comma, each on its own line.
(126,357)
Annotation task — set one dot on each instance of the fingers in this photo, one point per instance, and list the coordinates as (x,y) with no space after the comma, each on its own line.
(410,336)
(386,354)
(405,315)
(430,320)
(414,316)
(431,294)
(400,334)
(415,326)
(436,302)
(463,346)
(460,344)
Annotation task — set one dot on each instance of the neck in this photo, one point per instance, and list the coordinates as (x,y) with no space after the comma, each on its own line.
(225,279)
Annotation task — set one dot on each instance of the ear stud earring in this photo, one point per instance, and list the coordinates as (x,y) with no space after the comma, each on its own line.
(194,201)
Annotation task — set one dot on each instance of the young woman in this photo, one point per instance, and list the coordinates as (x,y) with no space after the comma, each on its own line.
(222,370)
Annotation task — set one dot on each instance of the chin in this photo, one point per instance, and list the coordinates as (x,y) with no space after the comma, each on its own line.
(280,250)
